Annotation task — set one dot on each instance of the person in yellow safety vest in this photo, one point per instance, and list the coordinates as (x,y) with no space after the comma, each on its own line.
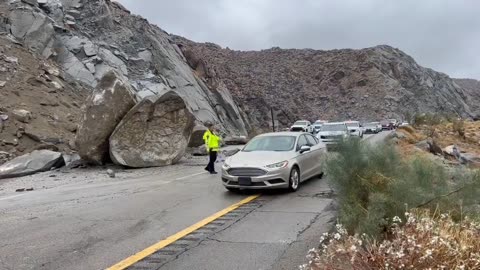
(212,143)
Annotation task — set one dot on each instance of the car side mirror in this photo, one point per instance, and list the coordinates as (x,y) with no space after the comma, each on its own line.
(304,149)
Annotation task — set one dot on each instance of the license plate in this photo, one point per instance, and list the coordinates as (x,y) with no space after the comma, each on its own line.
(245,181)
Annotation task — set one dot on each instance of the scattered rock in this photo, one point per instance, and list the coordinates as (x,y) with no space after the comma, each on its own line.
(154,133)
(196,139)
(20,190)
(11,59)
(29,189)
(2,83)
(111,173)
(235,140)
(21,115)
(37,161)
(4,157)
(105,108)
(200,150)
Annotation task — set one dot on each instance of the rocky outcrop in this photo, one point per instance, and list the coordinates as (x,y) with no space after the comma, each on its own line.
(154,133)
(37,161)
(105,108)
(367,84)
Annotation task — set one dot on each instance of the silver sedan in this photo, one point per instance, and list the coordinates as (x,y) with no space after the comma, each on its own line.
(275,160)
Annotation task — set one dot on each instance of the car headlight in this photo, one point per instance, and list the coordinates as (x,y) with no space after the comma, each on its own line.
(226,164)
(278,165)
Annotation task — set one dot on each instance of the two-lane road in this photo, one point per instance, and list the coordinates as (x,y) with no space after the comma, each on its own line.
(95,224)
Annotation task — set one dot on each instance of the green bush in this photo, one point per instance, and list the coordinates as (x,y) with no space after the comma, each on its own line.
(374,184)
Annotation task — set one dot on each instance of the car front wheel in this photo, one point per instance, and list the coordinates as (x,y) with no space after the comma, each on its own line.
(294,179)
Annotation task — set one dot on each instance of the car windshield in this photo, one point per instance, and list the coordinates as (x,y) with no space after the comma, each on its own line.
(271,143)
(300,123)
(352,124)
(335,127)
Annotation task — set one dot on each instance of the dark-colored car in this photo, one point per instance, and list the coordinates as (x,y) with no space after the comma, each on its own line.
(387,125)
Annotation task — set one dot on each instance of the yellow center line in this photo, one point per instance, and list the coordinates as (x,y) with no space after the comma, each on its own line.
(172,238)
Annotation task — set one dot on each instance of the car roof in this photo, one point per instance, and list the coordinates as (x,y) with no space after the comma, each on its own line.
(283,133)
(334,123)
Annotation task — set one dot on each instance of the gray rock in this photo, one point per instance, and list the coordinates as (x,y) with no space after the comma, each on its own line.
(423,145)
(31,2)
(34,29)
(37,161)
(111,173)
(2,83)
(105,108)
(89,49)
(4,157)
(154,133)
(74,67)
(196,139)
(200,151)
(11,59)
(235,140)
(22,115)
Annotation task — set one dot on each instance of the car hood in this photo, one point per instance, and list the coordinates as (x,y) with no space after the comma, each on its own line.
(258,158)
(331,133)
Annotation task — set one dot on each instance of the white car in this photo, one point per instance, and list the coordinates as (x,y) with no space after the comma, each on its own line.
(354,128)
(317,125)
(302,126)
(332,133)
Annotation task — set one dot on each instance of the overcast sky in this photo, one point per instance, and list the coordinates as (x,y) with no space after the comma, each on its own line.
(441,34)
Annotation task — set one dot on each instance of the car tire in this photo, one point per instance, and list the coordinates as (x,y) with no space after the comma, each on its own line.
(294,179)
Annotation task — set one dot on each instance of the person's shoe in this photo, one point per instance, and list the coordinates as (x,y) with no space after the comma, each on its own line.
(213,172)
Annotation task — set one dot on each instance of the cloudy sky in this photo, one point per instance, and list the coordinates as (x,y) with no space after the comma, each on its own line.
(441,34)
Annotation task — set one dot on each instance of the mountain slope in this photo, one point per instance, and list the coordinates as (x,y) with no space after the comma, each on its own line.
(366,84)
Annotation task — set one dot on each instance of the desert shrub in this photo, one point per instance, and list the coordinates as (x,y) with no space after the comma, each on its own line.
(458,126)
(422,241)
(429,119)
(374,184)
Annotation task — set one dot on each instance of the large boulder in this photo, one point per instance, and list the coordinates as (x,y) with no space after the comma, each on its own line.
(36,161)
(154,133)
(105,108)
(235,140)
(34,28)
(196,139)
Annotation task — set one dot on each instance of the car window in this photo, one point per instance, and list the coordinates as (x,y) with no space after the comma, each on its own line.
(301,142)
(270,143)
(311,140)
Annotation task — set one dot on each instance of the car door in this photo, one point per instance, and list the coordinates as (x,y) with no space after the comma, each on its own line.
(315,155)
(303,158)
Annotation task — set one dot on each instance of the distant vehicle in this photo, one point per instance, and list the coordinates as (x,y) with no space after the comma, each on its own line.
(354,128)
(332,133)
(275,160)
(302,126)
(394,122)
(387,125)
(404,124)
(372,127)
(317,125)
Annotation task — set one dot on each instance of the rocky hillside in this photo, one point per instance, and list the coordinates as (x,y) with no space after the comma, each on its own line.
(38,108)
(472,87)
(366,84)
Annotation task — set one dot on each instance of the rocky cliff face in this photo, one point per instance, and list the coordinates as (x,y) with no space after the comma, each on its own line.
(89,38)
(367,84)
(472,87)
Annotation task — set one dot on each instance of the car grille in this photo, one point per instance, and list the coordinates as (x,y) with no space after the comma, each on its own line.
(252,172)
(335,137)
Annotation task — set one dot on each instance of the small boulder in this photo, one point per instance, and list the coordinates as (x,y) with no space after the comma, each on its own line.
(111,173)
(36,161)
(434,148)
(235,140)
(196,139)
(21,115)
(105,108)
(154,133)
(200,151)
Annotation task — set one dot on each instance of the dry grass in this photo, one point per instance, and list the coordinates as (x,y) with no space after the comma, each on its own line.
(424,241)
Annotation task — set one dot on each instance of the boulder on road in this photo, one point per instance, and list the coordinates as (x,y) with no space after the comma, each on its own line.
(196,139)
(105,107)
(235,140)
(22,115)
(154,133)
(36,161)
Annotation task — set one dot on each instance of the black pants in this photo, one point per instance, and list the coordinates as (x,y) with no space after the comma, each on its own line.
(211,162)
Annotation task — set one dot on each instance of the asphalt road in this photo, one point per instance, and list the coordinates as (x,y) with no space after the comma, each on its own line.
(93,224)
